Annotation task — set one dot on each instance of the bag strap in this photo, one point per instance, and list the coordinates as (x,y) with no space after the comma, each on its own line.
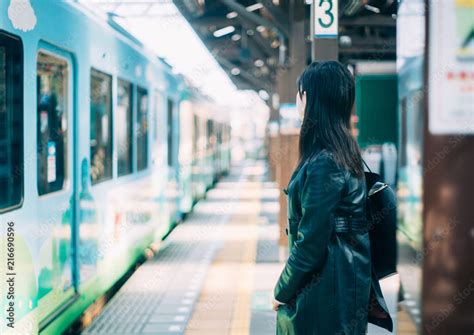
(366,166)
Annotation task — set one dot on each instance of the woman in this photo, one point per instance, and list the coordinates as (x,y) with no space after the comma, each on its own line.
(327,286)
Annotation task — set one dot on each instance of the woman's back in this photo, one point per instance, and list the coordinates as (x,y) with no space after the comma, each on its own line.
(327,285)
(327,225)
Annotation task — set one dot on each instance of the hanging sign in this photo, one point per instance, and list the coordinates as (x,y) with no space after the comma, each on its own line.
(325,18)
(451,67)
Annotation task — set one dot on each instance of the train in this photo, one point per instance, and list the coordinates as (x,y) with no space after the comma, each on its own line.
(103,150)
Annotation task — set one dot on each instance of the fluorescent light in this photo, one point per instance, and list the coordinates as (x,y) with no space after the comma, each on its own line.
(236,37)
(345,41)
(253,7)
(224,31)
(259,63)
(264,95)
(231,15)
(235,71)
(372,9)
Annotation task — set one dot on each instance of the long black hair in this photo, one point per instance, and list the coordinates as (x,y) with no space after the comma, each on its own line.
(330,93)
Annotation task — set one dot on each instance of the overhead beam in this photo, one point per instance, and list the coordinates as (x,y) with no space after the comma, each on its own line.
(279,17)
(241,10)
(189,9)
(370,51)
(256,43)
(369,20)
(218,21)
(253,20)
(264,44)
(275,11)
(229,47)
(372,41)
(256,82)
(256,38)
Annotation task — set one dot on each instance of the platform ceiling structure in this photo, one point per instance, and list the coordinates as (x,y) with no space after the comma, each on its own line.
(250,38)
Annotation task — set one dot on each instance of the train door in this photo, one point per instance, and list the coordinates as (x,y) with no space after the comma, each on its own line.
(159,161)
(219,149)
(158,131)
(185,155)
(173,170)
(170,108)
(210,161)
(16,219)
(55,182)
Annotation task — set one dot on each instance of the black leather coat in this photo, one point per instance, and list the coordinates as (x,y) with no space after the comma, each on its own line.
(328,285)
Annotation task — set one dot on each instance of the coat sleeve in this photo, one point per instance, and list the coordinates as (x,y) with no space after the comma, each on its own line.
(321,193)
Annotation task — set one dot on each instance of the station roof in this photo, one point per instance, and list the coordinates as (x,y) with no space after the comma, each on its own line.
(249,38)
(245,35)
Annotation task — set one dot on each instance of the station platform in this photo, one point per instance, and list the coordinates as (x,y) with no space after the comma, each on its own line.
(216,271)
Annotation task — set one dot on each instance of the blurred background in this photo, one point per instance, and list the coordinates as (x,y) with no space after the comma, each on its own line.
(132,130)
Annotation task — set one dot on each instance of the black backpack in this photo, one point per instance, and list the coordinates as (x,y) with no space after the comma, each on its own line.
(382,218)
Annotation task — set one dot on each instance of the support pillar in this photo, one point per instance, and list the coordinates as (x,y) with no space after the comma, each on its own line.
(324,30)
(286,154)
(448,161)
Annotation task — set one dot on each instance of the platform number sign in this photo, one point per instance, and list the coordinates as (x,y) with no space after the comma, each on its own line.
(325,18)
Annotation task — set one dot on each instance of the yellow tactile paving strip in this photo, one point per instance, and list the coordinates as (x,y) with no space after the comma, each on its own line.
(405,325)
(224,305)
(241,314)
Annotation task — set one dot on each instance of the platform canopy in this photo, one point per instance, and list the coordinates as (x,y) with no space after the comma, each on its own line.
(250,38)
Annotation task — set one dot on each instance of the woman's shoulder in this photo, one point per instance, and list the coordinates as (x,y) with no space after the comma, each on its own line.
(324,165)
(321,170)
(323,158)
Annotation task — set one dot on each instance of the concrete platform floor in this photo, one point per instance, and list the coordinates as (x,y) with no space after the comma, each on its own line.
(216,273)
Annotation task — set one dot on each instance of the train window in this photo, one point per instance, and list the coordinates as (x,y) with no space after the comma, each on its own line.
(170,132)
(156,115)
(142,128)
(219,133)
(11,123)
(52,75)
(195,133)
(101,127)
(210,134)
(123,128)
